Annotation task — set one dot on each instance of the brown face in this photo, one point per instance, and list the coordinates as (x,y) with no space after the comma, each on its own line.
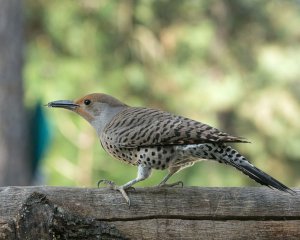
(85,107)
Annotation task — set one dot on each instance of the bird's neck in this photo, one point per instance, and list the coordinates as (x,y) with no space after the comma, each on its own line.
(107,114)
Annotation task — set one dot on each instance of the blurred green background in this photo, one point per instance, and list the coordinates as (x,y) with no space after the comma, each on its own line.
(231,64)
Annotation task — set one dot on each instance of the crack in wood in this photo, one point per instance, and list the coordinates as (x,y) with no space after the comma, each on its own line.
(218,218)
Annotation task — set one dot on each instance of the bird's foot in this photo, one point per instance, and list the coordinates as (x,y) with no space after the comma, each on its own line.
(170,184)
(113,186)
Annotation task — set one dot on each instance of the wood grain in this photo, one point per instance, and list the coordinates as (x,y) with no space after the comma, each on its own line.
(168,213)
(207,229)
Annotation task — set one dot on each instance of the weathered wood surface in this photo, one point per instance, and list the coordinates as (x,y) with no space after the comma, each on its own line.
(166,213)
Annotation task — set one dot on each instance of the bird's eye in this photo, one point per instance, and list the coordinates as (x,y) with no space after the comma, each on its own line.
(87,101)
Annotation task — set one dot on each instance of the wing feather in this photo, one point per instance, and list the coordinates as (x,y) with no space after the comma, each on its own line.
(138,127)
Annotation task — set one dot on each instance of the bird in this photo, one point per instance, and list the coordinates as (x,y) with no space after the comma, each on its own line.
(155,139)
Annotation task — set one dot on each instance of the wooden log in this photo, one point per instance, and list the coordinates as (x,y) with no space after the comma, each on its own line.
(166,213)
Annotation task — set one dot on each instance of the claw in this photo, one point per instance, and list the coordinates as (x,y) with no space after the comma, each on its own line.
(124,194)
(171,184)
(113,186)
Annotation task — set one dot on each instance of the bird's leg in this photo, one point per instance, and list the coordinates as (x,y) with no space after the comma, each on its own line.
(143,173)
(166,178)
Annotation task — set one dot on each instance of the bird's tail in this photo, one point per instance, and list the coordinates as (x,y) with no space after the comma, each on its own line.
(232,157)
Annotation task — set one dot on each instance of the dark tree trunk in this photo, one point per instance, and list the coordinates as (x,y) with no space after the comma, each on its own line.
(14,165)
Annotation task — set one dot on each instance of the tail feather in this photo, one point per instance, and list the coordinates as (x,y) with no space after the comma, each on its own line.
(233,158)
(228,155)
(262,177)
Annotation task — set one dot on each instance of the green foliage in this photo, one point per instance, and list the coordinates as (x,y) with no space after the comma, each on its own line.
(231,64)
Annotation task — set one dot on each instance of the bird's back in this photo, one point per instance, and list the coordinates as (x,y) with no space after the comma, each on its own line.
(141,127)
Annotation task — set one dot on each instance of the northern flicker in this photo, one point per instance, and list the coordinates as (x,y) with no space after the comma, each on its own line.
(154,139)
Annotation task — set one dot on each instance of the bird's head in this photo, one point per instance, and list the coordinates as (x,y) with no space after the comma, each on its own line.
(97,108)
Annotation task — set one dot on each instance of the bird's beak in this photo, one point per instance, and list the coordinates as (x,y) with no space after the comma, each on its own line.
(67,104)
